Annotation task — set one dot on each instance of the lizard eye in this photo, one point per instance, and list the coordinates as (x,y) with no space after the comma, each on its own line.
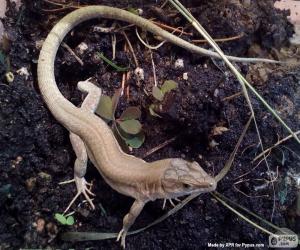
(186,186)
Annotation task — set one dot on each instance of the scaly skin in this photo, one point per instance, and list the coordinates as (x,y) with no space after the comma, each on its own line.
(89,104)
(129,175)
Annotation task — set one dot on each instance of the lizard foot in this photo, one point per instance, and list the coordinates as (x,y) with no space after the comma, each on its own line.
(170,200)
(122,235)
(82,188)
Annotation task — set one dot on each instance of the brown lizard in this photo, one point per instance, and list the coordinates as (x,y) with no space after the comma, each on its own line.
(129,175)
(176,177)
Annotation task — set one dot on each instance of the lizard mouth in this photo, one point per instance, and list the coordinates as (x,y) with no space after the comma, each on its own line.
(194,183)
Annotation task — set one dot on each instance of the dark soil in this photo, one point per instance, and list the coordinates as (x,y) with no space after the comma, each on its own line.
(35,152)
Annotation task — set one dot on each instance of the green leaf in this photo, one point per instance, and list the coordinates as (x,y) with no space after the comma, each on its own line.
(115,66)
(115,100)
(70,221)
(157,93)
(168,86)
(136,141)
(60,218)
(104,108)
(131,113)
(132,127)
(152,112)
(133,11)
(120,136)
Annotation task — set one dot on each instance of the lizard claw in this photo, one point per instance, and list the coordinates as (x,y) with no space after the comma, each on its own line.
(171,202)
(122,235)
(82,188)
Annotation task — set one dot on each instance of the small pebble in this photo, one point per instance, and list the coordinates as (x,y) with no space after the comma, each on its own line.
(213,144)
(30,183)
(40,225)
(140,12)
(82,47)
(23,72)
(185,76)
(139,72)
(216,93)
(179,63)
(17,161)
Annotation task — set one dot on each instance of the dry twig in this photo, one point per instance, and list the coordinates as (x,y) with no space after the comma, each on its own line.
(160,146)
(67,47)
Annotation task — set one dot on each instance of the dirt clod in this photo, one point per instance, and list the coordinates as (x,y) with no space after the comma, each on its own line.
(40,225)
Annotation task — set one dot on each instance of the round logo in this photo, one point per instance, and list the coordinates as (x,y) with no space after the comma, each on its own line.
(274,241)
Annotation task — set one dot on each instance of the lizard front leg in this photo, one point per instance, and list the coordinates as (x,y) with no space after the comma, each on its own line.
(129,219)
(89,104)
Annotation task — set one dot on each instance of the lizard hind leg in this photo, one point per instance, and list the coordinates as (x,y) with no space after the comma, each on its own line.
(89,104)
(129,219)
(80,170)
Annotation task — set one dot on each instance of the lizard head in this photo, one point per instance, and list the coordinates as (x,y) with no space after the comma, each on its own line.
(183,178)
